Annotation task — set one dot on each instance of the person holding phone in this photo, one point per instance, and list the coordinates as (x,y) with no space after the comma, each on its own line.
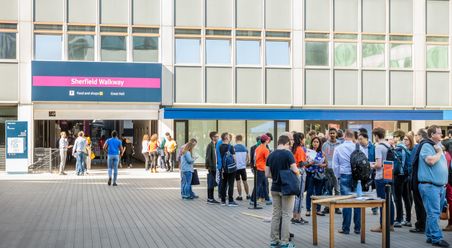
(187,162)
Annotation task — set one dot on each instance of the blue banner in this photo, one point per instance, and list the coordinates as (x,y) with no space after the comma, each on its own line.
(96,81)
(16,139)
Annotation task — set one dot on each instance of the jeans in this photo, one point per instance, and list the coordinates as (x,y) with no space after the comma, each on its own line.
(63,154)
(280,225)
(154,159)
(80,164)
(433,198)
(211,180)
(381,183)
(314,187)
(170,160)
(418,207)
(186,184)
(146,160)
(331,182)
(227,183)
(112,162)
(298,205)
(262,187)
(347,186)
(402,191)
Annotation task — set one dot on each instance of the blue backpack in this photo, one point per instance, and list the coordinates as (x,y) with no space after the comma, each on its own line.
(228,162)
(400,162)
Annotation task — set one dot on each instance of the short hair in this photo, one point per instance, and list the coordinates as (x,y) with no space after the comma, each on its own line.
(312,132)
(224,136)
(379,132)
(355,134)
(421,132)
(449,132)
(212,134)
(432,130)
(192,140)
(239,137)
(349,134)
(114,133)
(364,135)
(270,136)
(332,129)
(167,134)
(399,133)
(283,139)
(340,133)
(362,130)
(258,138)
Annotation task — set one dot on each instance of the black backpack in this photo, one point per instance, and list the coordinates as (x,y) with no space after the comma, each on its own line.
(360,166)
(391,155)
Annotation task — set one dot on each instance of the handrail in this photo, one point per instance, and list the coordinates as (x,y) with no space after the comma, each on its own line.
(43,158)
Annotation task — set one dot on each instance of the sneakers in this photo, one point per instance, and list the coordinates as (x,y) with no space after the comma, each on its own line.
(308,213)
(248,197)
(301,221)
(109,181)
(320,213)
(223,203)
(341,231)
(448,228)
(268,203)
(406,223)
(114,184)
(274,244)
(289,245)
(397,224)
(337,211)
(416,230)
(239,198)
(212,201)
(326,210)
(441,243)
(233,204)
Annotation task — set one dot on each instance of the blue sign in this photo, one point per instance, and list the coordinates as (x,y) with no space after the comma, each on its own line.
(96,81)
(16,139)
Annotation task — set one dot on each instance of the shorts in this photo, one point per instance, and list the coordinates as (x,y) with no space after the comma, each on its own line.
(240,173)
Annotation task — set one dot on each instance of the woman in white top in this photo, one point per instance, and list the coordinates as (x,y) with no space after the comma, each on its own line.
(63,146)
(145,150)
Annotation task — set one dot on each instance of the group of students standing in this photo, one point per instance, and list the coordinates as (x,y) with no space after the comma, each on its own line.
(157,152)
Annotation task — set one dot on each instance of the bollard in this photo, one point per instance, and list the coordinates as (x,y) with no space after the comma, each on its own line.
(388,215)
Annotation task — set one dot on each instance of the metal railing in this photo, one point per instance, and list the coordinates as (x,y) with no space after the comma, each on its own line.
(44,160)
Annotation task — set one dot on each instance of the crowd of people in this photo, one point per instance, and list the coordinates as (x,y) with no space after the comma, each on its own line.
(420,174)
(159,153)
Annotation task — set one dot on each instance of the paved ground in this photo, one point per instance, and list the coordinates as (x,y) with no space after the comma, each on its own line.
(145,210)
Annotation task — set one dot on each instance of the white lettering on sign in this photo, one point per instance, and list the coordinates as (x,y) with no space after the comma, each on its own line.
(97,81)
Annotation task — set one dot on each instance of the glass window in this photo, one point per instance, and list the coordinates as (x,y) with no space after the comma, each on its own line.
(278,14)
(249,85)
(345,87)
(346,15)
(437,17)
(7,45)
(401,88)
(180,133)
(82,11)
(437,56)
(317,14)
(249,13)
(219,85)
(188,13)
(146,49)
(345,54)
(257,128)
(81,47)
(8,11)
(219,13)
(374,88)
(188,51)
(316,53)
(317,87)
(48,10)
(248,52)
(113,48)
(233,127)
(218,52)
(400,56)
(279,86)
(146,12)
(188,85)
(277,53)
(438,85)
(9,82)
(374,16)
(401,16)
(48,47)
(114,11)
(373,55)
(199,130)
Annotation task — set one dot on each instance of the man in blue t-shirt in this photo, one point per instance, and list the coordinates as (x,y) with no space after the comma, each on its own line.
(242,158)
(114,150)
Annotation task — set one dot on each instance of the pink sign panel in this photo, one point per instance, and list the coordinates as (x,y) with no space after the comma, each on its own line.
(99,82)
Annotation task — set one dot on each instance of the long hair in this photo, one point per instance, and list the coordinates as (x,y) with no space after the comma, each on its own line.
(411,139)
(297,141)
(146,137)
(154,137)
(188,147)
(320,143)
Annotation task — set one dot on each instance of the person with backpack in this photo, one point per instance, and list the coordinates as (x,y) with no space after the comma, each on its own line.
(331,183)
(342,167)
(241,154)
(228,169)
(433,177)
(261,189)
(299,152)
(279,160)
(401,180)
(315,175)
(421,139)
(448,155)
(369,150)
(383,152)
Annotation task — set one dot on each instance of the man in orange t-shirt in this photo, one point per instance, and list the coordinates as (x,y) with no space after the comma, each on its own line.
(261,156)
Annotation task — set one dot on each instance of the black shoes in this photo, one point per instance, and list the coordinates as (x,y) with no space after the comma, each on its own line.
(239,198)
(416,230)
(441,243)
(338,211)
(212,201)
(114,184)
(109,181)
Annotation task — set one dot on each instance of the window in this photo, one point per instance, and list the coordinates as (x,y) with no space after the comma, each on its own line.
(9,82)
(113,48)
(219,85)
(278,14)
(374,16)
(346,15)
(48,47)
(218,52)
(345,54)
(233,127)
(248,52)
(437,56)
(279,86)
(316,53)
(114,11)
(257,128)
(374,88)
(48,10)
(277,53)
(188,13)
(81,47)
(438,85)
(249,85)
(200,129)
(437,17)
(317,87)
(188,85)
(219,13)
(400,55)
(82,11)
(373,55)
(145,49)
(146,12)
(8,11)
(249,13)
(401,88)
(8,40)
(317,14)
(345,87)
(188,51)
(401,16)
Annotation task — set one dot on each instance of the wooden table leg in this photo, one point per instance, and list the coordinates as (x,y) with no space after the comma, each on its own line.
(383,226)
(363,225)
(332,211)
(314,224)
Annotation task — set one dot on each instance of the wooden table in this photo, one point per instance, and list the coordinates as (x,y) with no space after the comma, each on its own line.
(334,202)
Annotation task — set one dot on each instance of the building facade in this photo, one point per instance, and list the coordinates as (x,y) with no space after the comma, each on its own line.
(364,59)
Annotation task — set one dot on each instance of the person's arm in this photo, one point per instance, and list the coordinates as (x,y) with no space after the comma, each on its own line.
(294,168)
(188,158)
(121,148)
(74,150)
(432,159)
(378,157)
(268,172)
(336,168)
(105,146)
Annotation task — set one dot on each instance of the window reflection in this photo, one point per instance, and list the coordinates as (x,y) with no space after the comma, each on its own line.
(145,49)
(188,51)
(218,52)
(48,47)
(277,53)
(248,52)
(81,47)
(7,45)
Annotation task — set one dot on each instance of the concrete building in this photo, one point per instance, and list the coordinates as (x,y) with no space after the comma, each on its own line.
(246,66)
